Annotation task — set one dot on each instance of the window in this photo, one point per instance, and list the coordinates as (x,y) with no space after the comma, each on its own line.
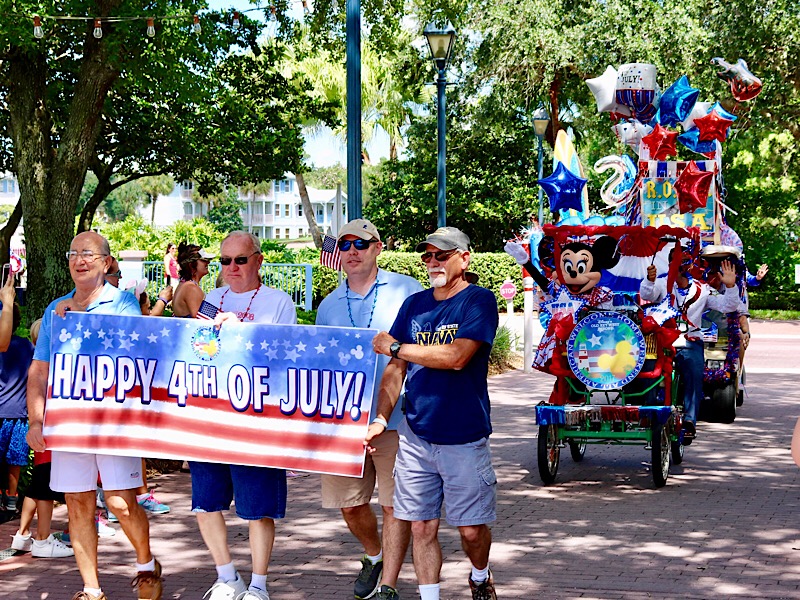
(299,210)
(300,232)
(286,211)
(287,233)
(188,185)
(277,233)
(268,209)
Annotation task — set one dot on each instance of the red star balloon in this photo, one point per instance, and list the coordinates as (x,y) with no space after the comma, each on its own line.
(692,187)
(713,126)
(661,142)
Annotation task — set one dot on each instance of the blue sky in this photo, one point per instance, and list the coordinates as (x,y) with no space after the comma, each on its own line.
(323,148)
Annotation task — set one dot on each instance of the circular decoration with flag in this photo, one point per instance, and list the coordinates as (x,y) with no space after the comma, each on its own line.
(205,343)
(606,351)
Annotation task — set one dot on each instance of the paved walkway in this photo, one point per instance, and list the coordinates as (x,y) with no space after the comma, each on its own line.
(724,526)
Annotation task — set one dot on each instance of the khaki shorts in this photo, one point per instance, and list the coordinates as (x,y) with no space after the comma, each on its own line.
(345,492)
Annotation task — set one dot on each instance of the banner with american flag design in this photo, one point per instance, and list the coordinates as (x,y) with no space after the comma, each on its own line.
(288,396)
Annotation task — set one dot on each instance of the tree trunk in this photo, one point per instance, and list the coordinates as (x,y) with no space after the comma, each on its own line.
(153,200)
(7,231)
(392,150)
(555,124)
(50,178)
(308,210)
(101,192)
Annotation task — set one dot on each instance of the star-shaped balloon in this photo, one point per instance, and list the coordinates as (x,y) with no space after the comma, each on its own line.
(631,133)
(661,143)
(700,109)
(744,85)
(563,188)
(603,89)
(713,127)
(662,312)
(677,102)
(692,187)
(691,139)
(722,112)
(564,304)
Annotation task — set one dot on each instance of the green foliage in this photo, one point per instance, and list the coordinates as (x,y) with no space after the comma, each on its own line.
(326,178)
(275,252)
(306,317)
(776,315)
(774,300)
(226,214)
(135,234)
(500,354)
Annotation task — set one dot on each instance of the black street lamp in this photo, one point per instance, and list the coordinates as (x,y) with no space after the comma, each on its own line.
(540,122)
(440,36)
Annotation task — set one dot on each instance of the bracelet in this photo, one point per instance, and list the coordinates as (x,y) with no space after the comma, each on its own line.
(382,421)
(164,301)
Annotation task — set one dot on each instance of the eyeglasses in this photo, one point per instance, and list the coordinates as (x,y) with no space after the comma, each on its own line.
(117,274)
(344,245)
(87,255)
(441,256)
(239,260)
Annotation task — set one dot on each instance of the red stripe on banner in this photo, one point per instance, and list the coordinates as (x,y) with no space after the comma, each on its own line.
(121,417)
(270,411)
(176,450)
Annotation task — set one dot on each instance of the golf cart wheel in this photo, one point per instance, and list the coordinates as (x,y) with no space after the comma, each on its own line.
(548,453)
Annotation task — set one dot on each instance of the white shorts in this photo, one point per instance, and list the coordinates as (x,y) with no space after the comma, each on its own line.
(73,472)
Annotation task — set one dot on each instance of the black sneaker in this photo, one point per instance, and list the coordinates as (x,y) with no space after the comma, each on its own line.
(386,592)
(483,590)
(689,433)
(368,579)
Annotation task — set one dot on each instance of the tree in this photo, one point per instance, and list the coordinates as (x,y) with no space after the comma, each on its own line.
(226,214)
(155,186)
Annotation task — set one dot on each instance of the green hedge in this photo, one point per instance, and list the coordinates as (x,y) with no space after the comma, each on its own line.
(492,268)
(774,300)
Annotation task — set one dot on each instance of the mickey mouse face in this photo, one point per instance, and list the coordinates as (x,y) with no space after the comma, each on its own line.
(577,269)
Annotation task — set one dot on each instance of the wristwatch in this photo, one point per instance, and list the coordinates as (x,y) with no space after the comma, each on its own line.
(394,349)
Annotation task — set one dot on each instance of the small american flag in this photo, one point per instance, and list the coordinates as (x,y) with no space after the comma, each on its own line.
(329,255)
(207,311)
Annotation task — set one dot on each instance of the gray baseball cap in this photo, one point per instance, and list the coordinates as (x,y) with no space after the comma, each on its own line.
(446,238)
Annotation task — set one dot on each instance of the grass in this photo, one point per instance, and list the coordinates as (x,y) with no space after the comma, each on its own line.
(775,315)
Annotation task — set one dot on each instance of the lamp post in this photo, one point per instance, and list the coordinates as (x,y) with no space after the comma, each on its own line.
(353,38)
(540,122)
(440,36)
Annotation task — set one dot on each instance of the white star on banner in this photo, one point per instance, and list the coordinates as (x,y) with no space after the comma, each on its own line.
(301,347)
(124,344)
(320,349)
(248,346)
(101,333)
(333,342)
(238,338)
(135,336)
(164,332)
(87,333)
(107,343)
(358,336)
(264,344)
(78,326)
(152,338)
(291,355)
(121,333)
(272,353)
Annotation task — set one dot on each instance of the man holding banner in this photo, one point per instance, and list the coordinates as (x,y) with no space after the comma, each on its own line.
(441,341)
(260,492)
(355,304)
(76,473)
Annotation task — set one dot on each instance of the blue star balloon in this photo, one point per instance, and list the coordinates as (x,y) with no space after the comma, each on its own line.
(677,102)
(691,139)
(563,188)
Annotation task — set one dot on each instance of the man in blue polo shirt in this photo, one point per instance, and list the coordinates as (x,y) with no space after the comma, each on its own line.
(75,473)
(440,343)
(370,298)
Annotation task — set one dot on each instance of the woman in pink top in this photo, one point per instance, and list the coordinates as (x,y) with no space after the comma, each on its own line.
(171,265)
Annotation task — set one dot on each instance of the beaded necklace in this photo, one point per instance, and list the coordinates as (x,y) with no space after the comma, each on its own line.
(350,310)
(249,304)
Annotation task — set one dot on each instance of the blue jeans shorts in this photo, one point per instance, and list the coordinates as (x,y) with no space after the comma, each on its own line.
(260,492)
(13,447)
(460,475)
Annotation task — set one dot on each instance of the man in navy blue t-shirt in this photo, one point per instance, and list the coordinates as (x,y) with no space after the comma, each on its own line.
(440,344)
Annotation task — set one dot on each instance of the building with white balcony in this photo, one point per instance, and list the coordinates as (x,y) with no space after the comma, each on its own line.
(278,214)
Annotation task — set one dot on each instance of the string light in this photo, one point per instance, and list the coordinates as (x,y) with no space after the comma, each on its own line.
(196,25)
(38,33)
(98,29)
(236,22)
(151,27)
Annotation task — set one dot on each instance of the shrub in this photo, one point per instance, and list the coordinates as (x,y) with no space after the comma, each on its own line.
(500,355)
(774,300)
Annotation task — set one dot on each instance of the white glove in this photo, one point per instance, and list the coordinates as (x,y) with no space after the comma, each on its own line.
(517,252)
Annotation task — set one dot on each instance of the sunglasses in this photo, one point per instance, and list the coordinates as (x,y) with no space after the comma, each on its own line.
(239,260)
(344,245)
(117,274)
(441,256)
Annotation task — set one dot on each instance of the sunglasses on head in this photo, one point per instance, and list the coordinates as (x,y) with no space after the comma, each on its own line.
(440,256)
(239,260)
(344,245)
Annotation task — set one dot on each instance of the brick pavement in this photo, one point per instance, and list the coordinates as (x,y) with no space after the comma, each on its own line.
(725,525)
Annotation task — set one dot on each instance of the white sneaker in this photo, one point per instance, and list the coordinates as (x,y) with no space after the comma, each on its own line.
(226,590)
(253,594)
(50,548)
(104,530)
(21,542)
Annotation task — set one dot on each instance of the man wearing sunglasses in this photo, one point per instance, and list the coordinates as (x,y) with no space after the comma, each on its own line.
(259,492)
(76,473)
(370,298)
(440,344)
